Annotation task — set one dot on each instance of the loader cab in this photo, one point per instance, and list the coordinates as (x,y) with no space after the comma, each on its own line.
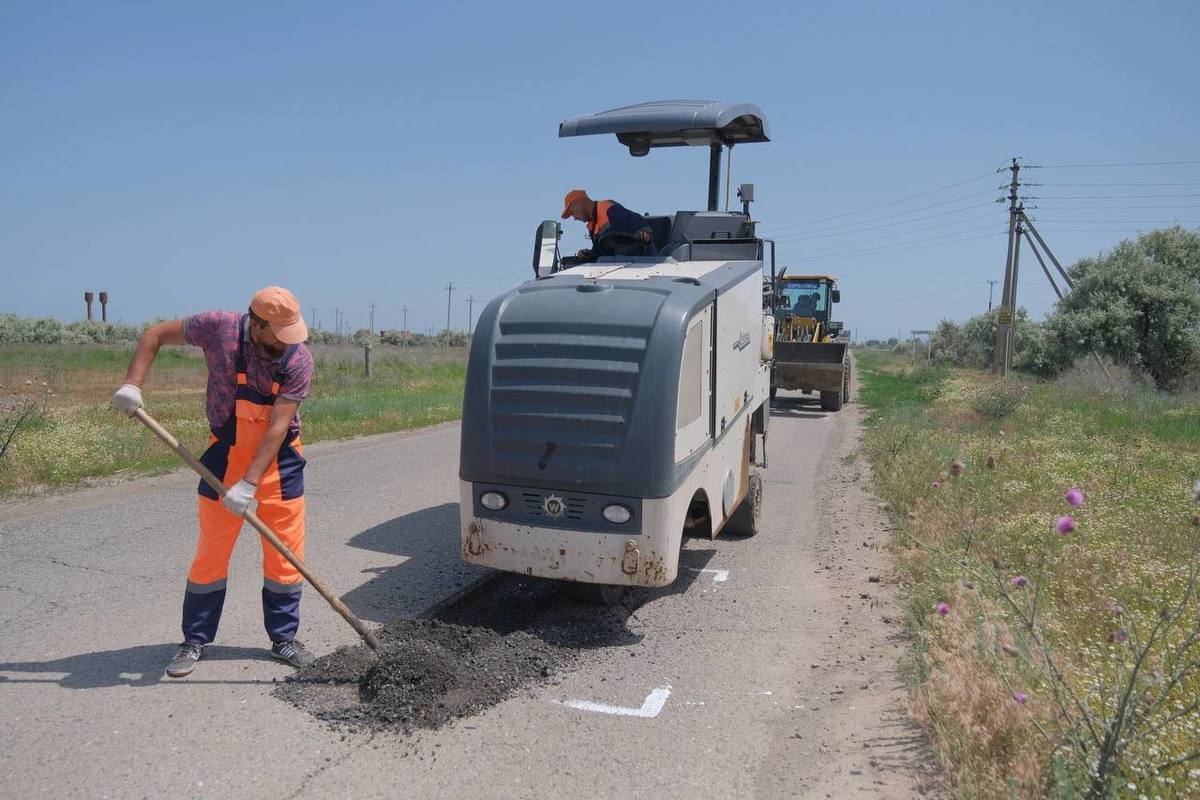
(804,308)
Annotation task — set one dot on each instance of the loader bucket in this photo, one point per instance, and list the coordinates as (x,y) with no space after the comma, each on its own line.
(809,365)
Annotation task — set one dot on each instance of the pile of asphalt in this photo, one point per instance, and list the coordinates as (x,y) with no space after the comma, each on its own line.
(510,634)
(426,673)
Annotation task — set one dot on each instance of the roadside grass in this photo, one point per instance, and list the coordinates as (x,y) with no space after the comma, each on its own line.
(73,435)
(1102,588)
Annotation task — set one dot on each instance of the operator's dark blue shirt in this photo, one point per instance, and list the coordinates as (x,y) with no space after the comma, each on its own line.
(613,217)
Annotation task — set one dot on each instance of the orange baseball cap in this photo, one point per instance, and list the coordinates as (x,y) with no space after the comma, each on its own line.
(572,196)
(281,310)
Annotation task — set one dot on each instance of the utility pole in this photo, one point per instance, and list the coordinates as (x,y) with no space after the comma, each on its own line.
(404,330)
(1002,351)
(313,311)
(449,294)
(337,315)
(991,286)
(470,314)
(372,318)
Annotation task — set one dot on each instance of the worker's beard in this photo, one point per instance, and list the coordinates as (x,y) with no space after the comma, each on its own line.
(272,350)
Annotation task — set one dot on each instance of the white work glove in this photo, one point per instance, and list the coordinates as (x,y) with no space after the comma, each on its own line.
(239,497)
(127,399)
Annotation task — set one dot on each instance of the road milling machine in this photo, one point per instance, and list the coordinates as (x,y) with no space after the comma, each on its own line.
(611,406)
(810,354)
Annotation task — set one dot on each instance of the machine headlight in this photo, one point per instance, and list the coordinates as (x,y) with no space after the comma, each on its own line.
(617,514)
(493,501)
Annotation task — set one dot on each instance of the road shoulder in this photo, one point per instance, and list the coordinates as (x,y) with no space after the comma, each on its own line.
(861,740)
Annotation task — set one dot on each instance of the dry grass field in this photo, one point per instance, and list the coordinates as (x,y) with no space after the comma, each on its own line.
(69,433)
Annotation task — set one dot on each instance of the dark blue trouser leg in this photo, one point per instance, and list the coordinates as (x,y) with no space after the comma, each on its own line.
(281,612)
(202,614)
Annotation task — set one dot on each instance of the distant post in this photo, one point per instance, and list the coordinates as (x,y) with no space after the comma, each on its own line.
(367,359)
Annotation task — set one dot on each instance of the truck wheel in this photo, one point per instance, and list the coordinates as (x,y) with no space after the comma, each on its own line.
(595,594)
(746,519)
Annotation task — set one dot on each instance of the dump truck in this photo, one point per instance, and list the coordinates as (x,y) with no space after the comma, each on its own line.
(611,406)
(810,353)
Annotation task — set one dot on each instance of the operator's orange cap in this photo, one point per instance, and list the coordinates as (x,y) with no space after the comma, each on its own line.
(281,310)
(572,196)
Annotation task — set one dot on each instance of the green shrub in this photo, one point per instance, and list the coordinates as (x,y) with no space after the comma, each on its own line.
(999,399)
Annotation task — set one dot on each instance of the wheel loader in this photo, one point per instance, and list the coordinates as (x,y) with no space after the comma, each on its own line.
(809,353)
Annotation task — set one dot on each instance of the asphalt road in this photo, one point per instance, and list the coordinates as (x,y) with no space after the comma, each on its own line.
(769,669)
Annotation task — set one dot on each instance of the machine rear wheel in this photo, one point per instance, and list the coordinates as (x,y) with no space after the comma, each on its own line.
(746,519)
(596,594)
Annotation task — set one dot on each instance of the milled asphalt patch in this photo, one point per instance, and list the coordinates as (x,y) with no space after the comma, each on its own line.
(505,635)
(426,673)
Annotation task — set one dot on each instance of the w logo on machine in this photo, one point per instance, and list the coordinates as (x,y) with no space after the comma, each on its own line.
(553,506)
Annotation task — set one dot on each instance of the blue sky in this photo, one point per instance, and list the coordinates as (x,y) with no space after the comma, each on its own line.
(180,156)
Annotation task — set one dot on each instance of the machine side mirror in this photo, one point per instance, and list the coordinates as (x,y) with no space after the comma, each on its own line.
(545,249)
(836,295)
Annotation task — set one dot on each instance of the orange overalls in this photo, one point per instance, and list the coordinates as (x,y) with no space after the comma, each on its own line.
(280,499)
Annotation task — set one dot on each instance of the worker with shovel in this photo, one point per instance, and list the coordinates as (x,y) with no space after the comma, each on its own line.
(258,373)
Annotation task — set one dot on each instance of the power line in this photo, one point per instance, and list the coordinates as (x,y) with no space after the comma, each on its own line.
(1120,221)
(1117,208)
(897,202)
(962,288)
(1113,196)
(1127,164)
(1099,230)
(879,251)
(976,217)
(1193,183)
(858,243)
(884,216)
(809,234)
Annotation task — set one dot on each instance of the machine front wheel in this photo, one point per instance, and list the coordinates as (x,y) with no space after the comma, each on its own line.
(746,519)
(832,401)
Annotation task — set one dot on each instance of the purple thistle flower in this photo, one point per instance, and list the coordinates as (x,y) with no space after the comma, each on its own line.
(1020,697)
(1121,635)
(1020,580)
(1074,497)
(1065,525)
(942,608)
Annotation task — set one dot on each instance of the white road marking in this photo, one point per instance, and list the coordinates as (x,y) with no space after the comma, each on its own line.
(650,709)
(719,575)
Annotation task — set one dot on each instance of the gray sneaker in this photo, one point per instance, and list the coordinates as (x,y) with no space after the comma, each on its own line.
(292,652)
(185,659)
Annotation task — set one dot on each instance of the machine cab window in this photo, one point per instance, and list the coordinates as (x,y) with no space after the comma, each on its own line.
(806,298)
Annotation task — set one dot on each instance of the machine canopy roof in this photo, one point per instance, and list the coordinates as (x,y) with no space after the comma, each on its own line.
(673,123)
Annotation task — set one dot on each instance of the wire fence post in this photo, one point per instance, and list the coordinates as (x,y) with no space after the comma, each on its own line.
(367,359)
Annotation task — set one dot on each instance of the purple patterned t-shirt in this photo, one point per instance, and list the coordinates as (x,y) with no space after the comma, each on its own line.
(216,333)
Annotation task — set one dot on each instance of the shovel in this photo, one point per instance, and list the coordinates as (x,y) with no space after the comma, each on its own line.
(261,527)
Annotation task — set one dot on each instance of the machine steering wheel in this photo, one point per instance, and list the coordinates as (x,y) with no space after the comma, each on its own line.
(621,244)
